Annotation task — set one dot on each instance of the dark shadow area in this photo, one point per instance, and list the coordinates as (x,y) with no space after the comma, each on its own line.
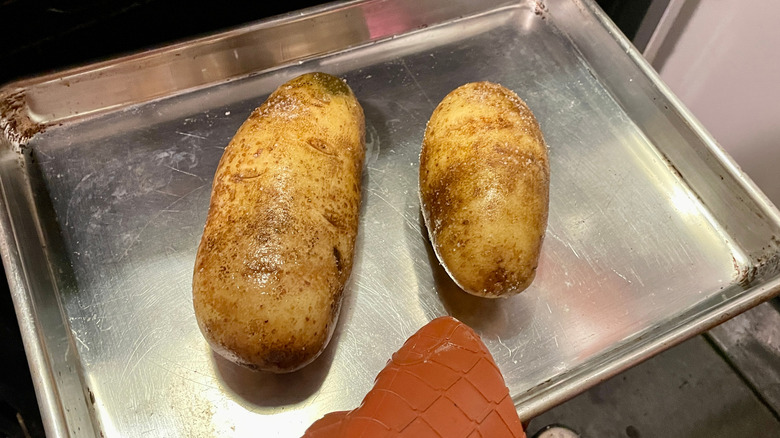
(627,14)
(18,405)
(47,35)
(265,389)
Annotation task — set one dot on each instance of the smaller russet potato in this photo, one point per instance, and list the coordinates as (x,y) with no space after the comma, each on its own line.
(484,189)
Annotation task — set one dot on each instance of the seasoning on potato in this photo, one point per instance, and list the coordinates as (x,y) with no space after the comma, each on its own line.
(279,238)
(484,189)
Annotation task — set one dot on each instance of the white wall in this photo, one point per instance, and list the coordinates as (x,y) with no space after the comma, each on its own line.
(722,59)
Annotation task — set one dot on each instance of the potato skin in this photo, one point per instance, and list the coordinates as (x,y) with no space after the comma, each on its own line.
(484,189)
(279,238)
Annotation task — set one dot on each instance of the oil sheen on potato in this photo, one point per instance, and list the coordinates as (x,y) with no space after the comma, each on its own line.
(279,238)
(484,189)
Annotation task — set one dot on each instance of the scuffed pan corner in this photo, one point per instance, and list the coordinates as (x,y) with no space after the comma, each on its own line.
(765,265)
(17,126)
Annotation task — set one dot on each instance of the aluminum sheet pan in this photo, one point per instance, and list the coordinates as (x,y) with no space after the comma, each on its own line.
(654,234)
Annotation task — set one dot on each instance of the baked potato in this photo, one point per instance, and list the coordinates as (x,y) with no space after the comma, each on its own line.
(484,189)
(279,238)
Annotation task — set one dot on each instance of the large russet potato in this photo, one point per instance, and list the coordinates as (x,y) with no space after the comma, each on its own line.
(279,239)
(484,189)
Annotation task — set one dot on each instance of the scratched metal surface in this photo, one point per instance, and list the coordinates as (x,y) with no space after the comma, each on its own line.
(631,250)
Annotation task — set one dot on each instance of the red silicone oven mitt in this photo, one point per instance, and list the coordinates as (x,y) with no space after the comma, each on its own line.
(442,383)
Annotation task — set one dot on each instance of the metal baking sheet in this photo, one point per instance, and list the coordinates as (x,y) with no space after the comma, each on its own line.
(654,234)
